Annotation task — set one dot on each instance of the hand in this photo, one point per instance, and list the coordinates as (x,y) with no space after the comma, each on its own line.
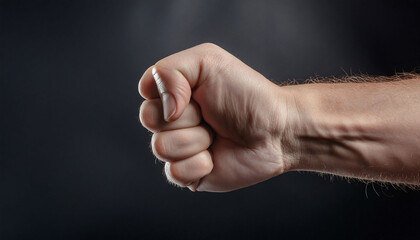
(218,124)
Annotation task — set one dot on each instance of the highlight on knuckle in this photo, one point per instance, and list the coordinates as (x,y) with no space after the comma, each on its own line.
(211,46)
(215,56)
(206,165)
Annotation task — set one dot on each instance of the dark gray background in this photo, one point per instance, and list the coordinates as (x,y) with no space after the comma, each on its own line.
(75,161)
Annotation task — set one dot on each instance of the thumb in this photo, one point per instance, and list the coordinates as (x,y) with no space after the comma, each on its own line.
(175,77)
(174,91)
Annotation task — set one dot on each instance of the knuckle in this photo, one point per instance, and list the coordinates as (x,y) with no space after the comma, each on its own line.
(182,139)
(214,55)
(147,115)
(206,164)
(210,45)
(162,63)
(158,146)
(176,175)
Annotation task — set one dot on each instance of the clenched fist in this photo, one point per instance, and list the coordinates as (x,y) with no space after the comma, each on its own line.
(218,124)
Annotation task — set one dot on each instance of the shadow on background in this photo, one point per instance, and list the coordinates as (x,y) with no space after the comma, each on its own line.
(75,161)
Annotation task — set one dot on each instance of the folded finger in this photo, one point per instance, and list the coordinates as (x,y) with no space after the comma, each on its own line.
(185,172)
(152,118)
(182,143)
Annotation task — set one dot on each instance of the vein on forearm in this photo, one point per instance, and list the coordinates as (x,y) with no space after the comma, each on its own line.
(364,127)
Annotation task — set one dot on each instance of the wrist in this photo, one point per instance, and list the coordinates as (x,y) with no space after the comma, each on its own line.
(309,128)
(292,119)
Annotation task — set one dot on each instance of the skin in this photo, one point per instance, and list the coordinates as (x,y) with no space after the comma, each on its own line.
(228,127)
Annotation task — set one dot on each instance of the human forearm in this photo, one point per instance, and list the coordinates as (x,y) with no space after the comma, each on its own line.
(363,130)
(231,128)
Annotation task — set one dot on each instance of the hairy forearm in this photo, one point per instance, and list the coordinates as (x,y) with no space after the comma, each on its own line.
(363,130)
